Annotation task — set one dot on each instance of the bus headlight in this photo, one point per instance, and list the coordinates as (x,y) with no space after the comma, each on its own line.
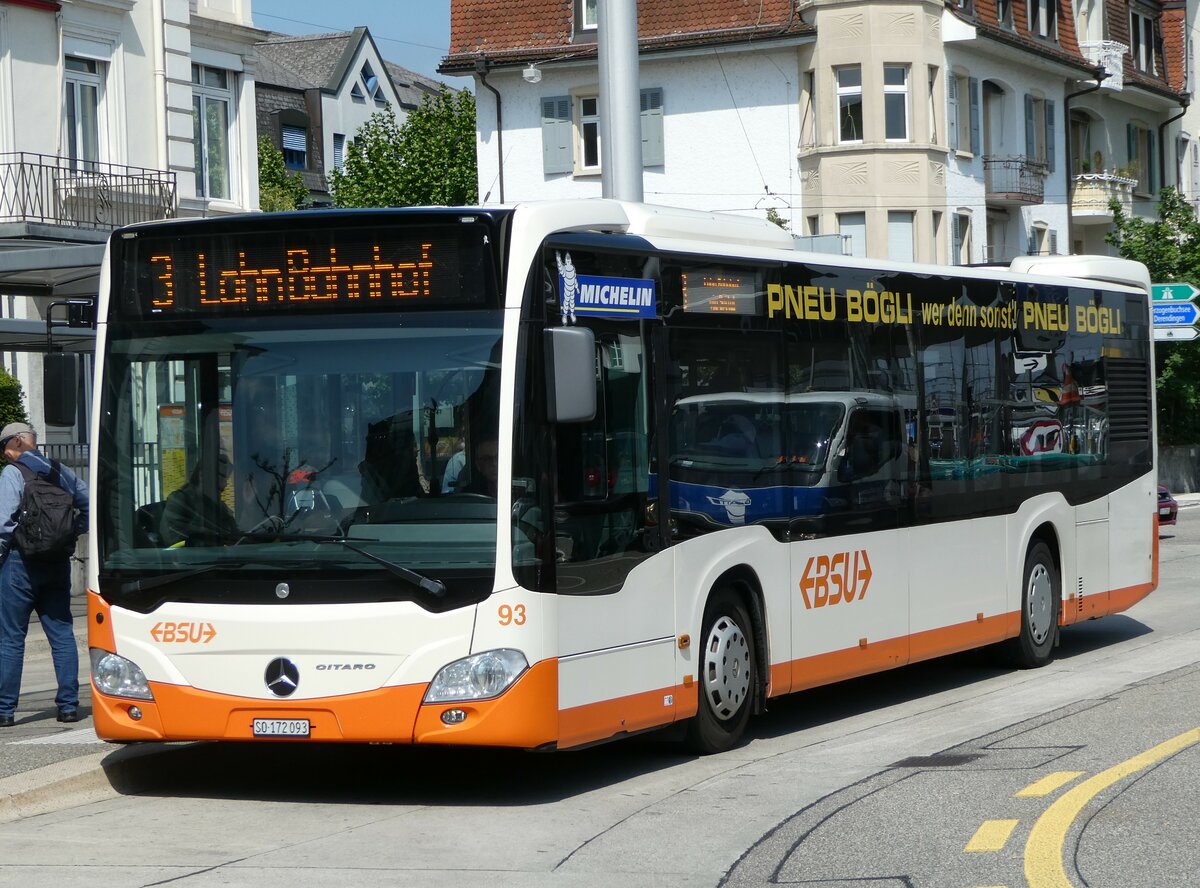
(118,677)
(477,677)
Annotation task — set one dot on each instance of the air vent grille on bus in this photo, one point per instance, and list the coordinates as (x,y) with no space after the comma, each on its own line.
(1128,382)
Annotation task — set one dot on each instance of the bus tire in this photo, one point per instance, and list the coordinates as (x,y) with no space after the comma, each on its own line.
(1041,593)
(728,672)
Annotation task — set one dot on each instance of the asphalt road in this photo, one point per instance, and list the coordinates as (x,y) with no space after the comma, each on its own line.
(955,773)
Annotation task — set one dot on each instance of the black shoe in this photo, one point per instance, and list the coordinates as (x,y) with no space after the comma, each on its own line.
(7,721)
(68,715)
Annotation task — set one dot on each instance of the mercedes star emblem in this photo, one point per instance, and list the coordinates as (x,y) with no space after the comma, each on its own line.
(282,677)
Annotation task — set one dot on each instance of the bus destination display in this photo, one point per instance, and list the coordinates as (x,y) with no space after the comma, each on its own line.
(721,291)
(339,270)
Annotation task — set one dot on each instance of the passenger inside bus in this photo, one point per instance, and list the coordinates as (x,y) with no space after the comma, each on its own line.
(389,464)
(193,514)
(485,470)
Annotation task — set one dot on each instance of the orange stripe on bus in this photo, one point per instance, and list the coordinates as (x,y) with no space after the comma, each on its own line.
(1123,599)
(525,715)
(99,621)
(182,713)
(963,636)
(635,712)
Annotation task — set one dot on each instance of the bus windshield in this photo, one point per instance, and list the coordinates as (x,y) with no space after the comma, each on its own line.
(337,444)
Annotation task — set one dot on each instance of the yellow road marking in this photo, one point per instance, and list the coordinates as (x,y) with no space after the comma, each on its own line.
(991,835)
(1048,784)
(1044,850)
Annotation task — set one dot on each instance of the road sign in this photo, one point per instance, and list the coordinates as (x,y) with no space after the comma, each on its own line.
(1174,314)
(1173,292)
(1176,334)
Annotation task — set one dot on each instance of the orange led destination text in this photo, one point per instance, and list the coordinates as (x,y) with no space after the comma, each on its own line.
(298,279)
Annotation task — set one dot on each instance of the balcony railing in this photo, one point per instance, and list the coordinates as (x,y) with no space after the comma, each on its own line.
(1091,193)
(1014,180)
(82,194)
(1110,55)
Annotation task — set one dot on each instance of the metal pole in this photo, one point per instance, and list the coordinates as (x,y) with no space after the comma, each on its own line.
(620,100)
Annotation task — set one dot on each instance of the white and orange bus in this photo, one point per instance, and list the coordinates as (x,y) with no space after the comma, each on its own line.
(552,474)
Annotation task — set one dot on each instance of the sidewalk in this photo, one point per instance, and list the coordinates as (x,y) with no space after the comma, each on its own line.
(39,757)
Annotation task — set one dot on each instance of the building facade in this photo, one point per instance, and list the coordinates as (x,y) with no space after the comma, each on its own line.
(315,92)
(956,132)
(111,112)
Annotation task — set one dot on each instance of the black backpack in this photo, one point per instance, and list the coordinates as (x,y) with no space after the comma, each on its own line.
(46,517)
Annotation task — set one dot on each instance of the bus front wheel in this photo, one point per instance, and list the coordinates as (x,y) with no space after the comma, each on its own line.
(1040,597)
(728,672)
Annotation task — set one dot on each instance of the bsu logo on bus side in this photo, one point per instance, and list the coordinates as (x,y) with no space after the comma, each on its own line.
(829,579)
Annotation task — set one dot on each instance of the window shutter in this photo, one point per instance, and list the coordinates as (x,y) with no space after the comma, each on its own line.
(956,239)
(339,150)
(556,135)
(1031,247)
(1030,135)
(652,127)
(952,109)
(294,138)
(1131,141)
(973,89)
(1053,242)
(1049,135)
(1152,162)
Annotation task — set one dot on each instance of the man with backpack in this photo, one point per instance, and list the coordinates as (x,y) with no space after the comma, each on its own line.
(43,510)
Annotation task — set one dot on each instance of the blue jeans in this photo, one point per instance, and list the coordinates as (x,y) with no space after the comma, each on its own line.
(26,586)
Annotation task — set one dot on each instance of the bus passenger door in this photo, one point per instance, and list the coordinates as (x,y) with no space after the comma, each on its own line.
(615,583)
(849,576)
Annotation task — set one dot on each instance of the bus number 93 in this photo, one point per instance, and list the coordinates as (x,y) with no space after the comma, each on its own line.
(512,615)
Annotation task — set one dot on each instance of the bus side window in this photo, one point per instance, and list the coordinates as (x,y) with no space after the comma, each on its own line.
(603,465)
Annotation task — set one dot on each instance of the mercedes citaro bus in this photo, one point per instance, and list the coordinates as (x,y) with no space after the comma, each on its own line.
(551,474)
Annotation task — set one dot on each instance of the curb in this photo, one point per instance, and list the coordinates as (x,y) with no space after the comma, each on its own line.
(77,781)
(43,789)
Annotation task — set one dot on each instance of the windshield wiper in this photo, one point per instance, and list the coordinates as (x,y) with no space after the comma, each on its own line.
(148,583)
(434,587)
(430,585)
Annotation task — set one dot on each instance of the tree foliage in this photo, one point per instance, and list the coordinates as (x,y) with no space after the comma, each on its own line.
(429,160)
(12,401)
(1169,247)
(278,189)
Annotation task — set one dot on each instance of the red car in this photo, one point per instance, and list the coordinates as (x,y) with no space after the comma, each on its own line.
(1168,509)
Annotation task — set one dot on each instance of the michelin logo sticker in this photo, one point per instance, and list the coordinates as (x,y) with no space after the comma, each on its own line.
(602,297)
(568,286)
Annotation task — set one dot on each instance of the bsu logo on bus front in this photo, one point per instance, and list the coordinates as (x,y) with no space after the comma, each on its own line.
(829,579)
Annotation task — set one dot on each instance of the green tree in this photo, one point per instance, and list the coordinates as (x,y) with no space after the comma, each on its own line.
(278,189)
(12,401)
(427,160)
(1169,247)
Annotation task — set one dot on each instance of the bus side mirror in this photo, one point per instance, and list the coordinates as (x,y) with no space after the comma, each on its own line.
(60,384)
(570,374)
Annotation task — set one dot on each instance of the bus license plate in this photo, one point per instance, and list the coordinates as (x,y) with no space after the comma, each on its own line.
(281,727)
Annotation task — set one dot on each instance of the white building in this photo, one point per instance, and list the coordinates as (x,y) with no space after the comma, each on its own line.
(920,129)
(111,112)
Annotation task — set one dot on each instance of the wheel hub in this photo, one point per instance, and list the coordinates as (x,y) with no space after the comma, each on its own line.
(1040,604)
(726,668)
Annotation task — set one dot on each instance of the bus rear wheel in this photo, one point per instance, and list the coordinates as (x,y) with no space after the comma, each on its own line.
(728,672)
(1041,593)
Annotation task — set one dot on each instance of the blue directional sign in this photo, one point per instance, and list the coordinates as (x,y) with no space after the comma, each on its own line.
(1175,314)
(1173,292)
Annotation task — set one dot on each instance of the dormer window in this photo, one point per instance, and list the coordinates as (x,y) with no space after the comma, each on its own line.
(1004,13)
(368,86)
(1141,40)
(1042,19)
(585,15)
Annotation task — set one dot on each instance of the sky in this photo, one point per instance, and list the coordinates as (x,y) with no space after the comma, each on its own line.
(414,34)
